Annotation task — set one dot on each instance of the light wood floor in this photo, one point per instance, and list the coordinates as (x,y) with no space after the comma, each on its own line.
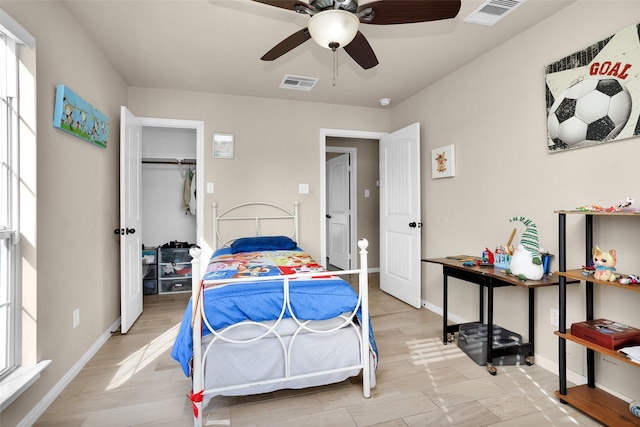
(133,381)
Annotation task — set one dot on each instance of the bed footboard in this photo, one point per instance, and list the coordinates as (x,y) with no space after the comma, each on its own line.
(358,320)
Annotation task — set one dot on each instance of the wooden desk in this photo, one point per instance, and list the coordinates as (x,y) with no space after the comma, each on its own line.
(489,278)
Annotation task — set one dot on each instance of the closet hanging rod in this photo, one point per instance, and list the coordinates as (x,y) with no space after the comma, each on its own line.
(170,161)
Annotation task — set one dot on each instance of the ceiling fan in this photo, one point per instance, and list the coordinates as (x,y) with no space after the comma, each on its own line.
(334,23)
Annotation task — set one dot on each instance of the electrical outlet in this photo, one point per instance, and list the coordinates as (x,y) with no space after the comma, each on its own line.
(76,318)
(554,317)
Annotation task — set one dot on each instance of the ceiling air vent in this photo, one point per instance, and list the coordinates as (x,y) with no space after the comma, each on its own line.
(298,83)
(492,11)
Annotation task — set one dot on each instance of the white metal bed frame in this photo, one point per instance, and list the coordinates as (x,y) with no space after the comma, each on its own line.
(199,319)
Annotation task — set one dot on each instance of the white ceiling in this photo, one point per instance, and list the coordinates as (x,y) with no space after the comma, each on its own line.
(215,46)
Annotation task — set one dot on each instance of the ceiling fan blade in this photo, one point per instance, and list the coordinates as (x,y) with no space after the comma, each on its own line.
(284,4)
(361,52)
(411,11)
(291,42)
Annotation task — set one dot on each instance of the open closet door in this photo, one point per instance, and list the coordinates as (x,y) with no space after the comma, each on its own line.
(130,219)
(400,220)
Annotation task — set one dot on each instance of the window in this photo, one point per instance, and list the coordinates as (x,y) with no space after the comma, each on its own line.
(16,375)
(9,180)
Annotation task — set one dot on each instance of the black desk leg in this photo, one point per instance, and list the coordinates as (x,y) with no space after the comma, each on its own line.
(490,366)
(530,357)
(445,338)
(481,299)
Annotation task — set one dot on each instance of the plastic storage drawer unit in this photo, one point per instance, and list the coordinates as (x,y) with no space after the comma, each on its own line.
(174,270)
(175,285)
(177,255)
(149,271)
(150,287)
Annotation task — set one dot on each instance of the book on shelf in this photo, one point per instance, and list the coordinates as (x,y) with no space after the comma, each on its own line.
(606,333)
(632,353)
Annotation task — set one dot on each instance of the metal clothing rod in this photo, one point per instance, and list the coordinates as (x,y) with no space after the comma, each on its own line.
(170,161)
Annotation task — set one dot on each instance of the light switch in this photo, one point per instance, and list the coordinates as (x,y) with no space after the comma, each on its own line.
(303,188)
(209,187)
(366,192)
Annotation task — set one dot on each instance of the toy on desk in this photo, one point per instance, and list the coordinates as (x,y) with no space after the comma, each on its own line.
(604,263)
(526,261)
(487,256)
(617,208)
(474,261)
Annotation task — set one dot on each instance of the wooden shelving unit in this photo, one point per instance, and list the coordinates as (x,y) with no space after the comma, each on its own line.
(595,402)
(600,405)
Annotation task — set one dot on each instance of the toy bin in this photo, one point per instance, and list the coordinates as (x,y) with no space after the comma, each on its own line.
(472,339)
(502,261)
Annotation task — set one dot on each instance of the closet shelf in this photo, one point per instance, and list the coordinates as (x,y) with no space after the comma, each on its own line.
(168,161)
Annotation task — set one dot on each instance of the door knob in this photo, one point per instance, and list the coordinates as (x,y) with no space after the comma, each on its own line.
(412,224)
(123,231)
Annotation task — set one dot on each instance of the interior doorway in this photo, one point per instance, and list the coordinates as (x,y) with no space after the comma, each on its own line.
(363,192)
(132,129)
(395,239)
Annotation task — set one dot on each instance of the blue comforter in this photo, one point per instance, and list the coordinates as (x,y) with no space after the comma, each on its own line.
(227,304)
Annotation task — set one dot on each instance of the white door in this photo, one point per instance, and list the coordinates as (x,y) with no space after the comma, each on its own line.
(338,211)
(130,219)
(400,222)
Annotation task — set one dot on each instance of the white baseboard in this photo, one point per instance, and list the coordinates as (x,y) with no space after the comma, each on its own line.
(42,406)
(438,310)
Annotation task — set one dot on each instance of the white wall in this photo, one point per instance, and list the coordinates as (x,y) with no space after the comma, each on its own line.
(273,151)
(72,258)
(493,110)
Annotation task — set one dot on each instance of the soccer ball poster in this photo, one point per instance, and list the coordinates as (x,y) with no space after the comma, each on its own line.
(593,96)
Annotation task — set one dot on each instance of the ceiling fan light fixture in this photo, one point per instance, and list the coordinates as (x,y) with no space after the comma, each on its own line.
(333,28)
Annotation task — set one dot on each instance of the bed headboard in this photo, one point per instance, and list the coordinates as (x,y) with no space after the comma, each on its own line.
(253,219)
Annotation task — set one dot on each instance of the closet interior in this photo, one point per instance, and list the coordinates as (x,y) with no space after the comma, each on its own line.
(168,208)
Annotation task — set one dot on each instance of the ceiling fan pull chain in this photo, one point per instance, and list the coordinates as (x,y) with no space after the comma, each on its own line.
(334,48)
(335,66)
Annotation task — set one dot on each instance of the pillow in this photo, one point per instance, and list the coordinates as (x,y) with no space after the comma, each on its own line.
(263,243)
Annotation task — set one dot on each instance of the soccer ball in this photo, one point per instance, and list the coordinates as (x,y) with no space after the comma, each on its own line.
(591,110)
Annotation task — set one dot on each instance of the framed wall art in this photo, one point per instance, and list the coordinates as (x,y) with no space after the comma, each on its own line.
(593,95)
(223,145)
(443,162)
(76,116)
